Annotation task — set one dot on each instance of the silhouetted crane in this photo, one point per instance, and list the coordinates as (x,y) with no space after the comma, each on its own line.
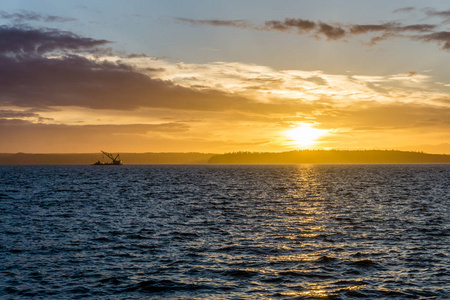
(115,160)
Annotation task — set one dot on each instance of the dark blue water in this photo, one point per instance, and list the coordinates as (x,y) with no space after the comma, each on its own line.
(225,232)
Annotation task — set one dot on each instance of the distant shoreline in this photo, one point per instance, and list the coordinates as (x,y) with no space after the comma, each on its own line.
(331,157)
(288,157)
(90,158)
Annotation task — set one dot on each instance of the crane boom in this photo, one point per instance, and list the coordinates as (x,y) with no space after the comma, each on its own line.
(115,160)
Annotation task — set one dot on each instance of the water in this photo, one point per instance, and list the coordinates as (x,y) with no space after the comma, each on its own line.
(225,232)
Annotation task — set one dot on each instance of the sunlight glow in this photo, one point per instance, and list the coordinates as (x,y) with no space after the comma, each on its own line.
(305,135)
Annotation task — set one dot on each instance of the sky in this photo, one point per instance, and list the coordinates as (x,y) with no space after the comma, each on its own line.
(224,76)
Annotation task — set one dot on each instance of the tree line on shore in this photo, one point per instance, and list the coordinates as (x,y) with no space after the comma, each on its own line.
(329,156)
(242,157)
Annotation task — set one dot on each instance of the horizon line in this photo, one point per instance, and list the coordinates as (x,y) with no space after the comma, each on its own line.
(225,153)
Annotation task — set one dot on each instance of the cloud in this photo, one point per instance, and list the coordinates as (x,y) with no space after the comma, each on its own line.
(276,25)
(6,115)
(404,9)
(388,30)
(38,78)
(16,114)
(336,31)
(417,27)
(361,29)
(26,16)
(445,14)
(306,88)
(317,80)
(391,27)
(302,26)
(331,32)
(442,38)
(78,81)
(23,40)
(48,68)
(133,55)
(227,23)
(112,129)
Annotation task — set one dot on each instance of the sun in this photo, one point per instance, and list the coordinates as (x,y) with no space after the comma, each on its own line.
(304,135)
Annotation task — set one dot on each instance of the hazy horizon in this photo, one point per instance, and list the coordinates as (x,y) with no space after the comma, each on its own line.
(242,157)
(220,153)
(222,76)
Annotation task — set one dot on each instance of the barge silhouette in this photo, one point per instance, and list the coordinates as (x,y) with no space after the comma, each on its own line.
(115,160)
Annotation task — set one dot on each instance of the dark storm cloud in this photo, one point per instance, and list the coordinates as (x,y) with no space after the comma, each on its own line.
(228,23)
(23,40)
(26,16)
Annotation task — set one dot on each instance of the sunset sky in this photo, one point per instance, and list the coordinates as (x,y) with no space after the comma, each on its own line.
(222,76)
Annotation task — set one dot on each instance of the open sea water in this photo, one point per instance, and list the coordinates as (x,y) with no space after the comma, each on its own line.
(225,232)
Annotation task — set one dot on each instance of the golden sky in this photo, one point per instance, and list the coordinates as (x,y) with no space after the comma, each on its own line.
(219,76)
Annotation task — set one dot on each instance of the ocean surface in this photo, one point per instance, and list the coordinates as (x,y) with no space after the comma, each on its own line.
(225,232)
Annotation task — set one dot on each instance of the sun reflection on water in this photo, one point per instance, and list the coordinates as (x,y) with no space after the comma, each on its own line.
(318,291)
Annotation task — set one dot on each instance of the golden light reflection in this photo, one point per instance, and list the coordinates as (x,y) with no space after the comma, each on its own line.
(315,294)
(318,291)
(309,294)
(296,258)
(304,135)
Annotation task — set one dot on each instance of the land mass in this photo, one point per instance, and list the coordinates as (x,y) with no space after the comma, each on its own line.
(90,158)
(289,157)
(329,157)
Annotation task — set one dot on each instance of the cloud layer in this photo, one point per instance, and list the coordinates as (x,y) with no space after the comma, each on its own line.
(42,68)
(49,76)
(26,16)
(337,31)
(24,41)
